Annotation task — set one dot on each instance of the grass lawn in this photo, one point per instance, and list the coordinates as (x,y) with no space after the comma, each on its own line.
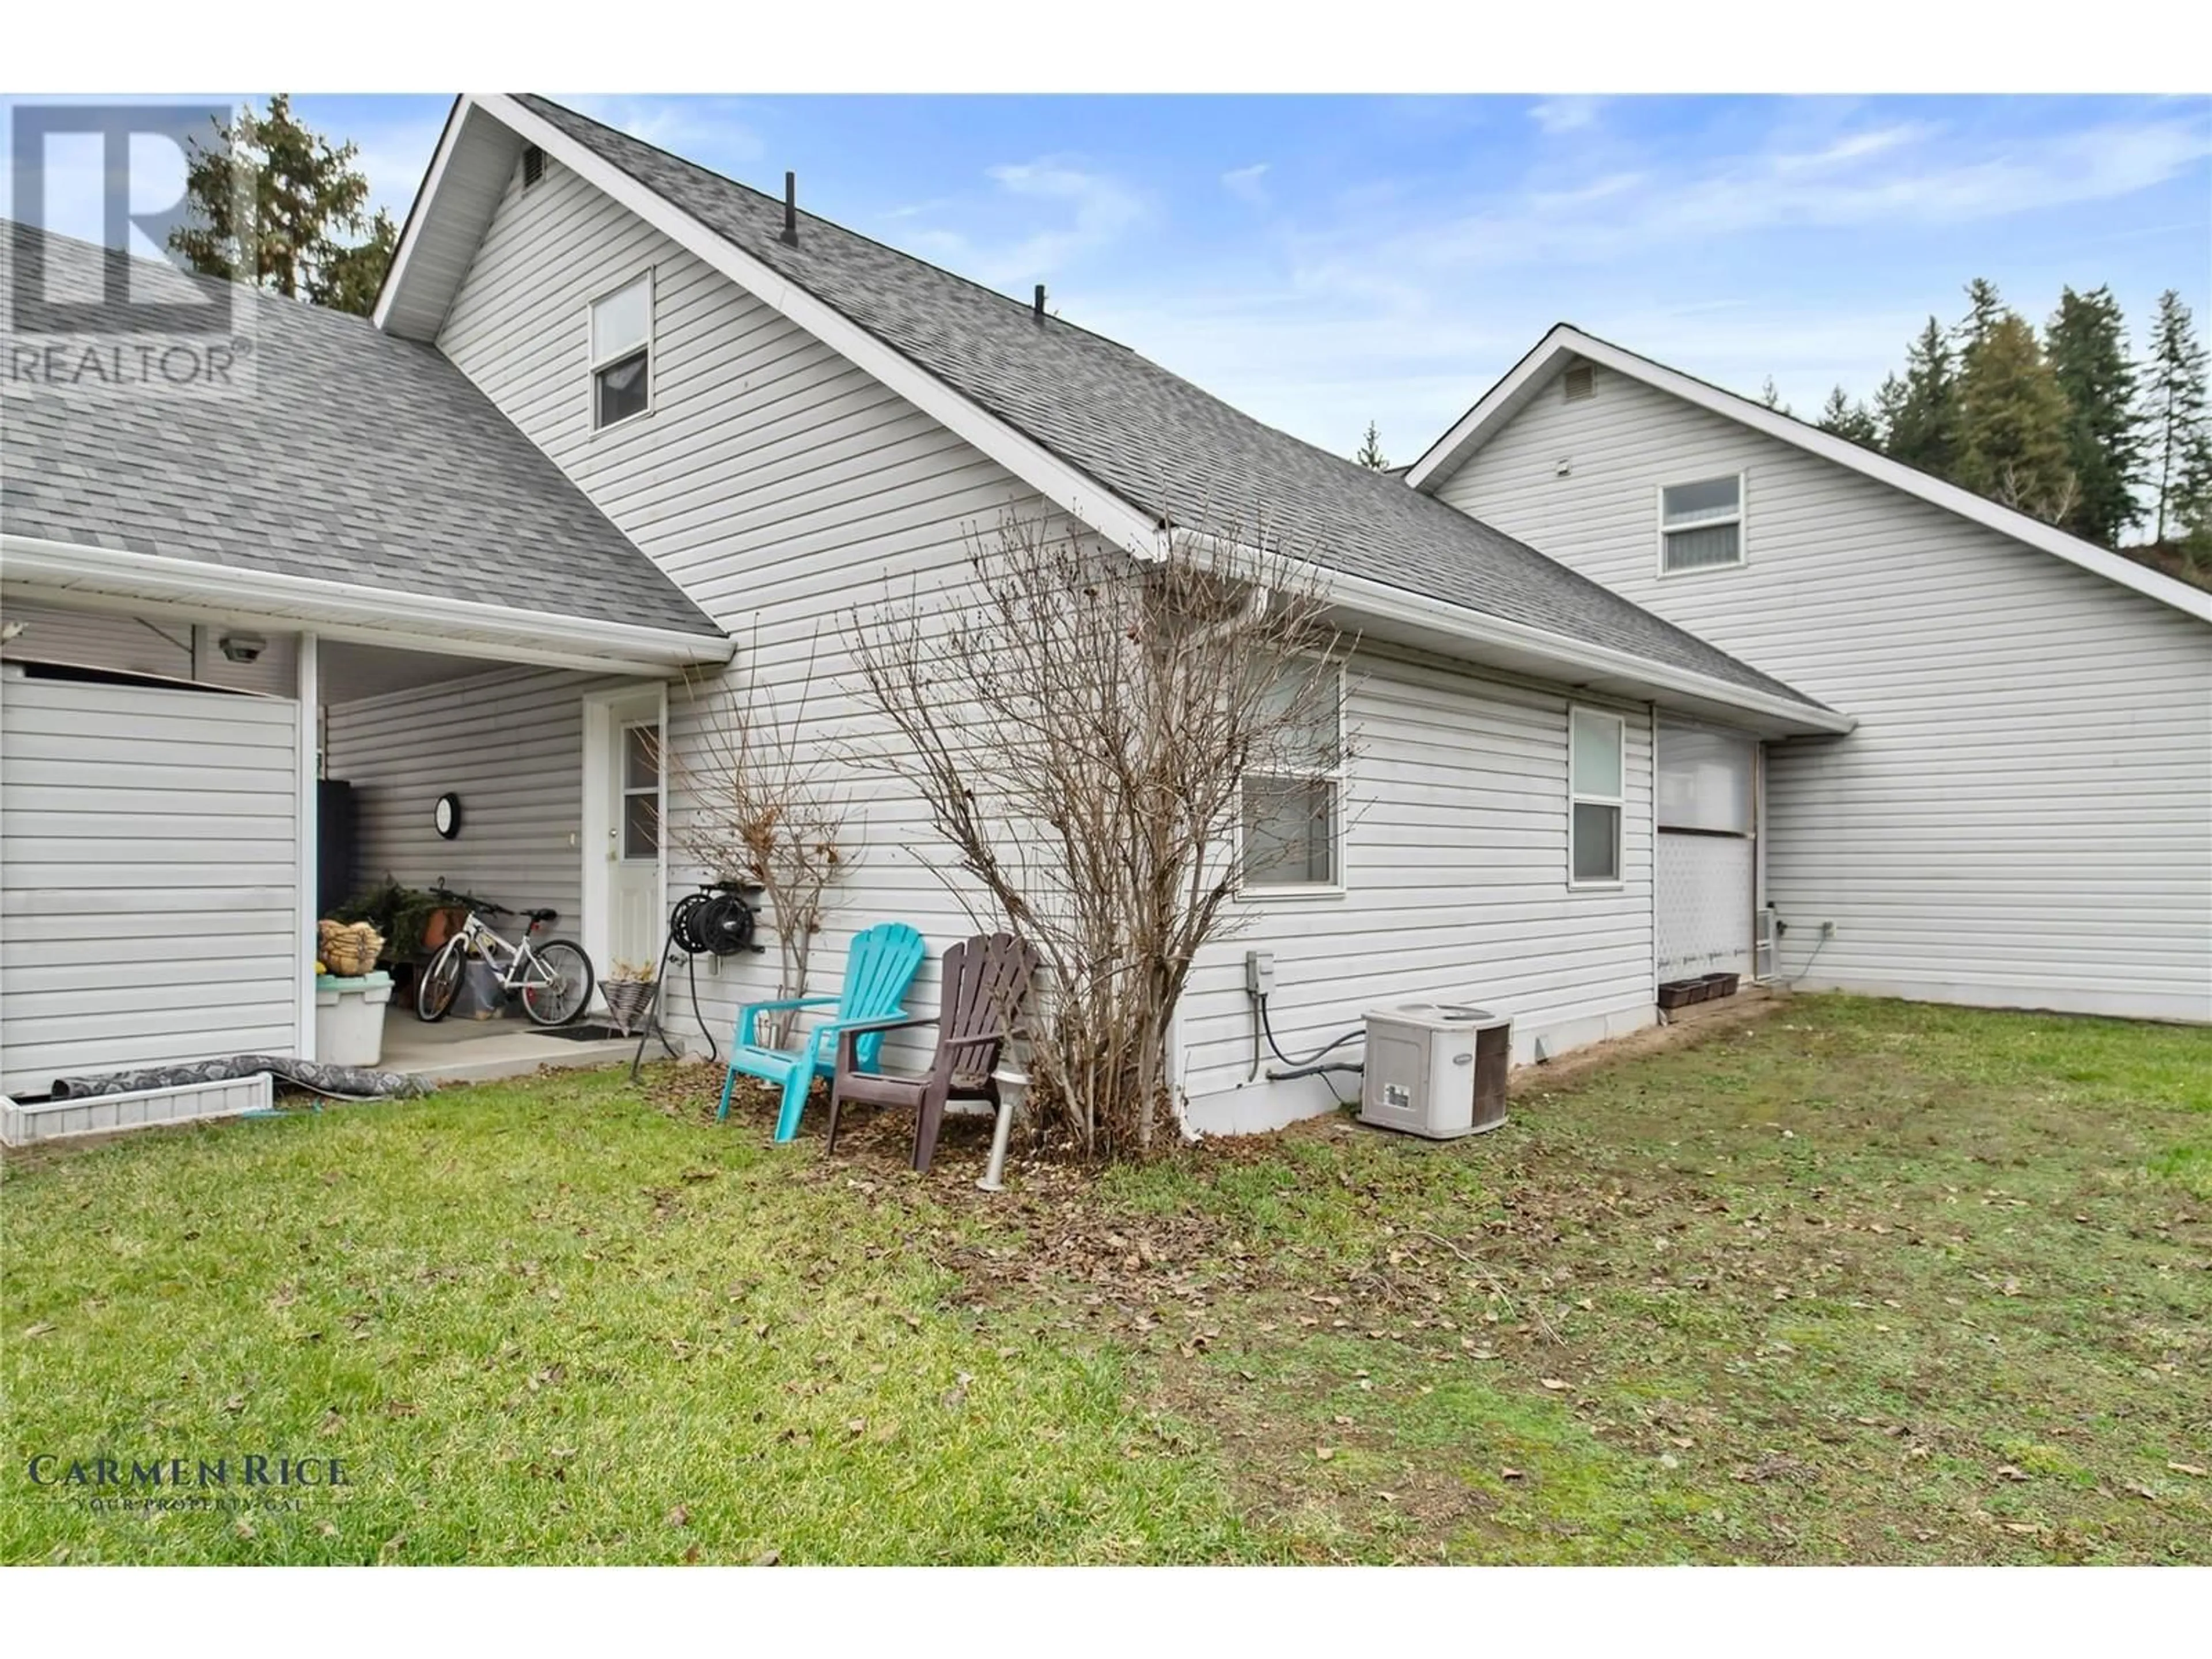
(1858,1281)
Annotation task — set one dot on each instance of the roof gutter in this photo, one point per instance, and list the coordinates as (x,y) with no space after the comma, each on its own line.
(1578,661)
(371,616)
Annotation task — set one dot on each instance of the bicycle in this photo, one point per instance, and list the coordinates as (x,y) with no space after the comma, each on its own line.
(555,978)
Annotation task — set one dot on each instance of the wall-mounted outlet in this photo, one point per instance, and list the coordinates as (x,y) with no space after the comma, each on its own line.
(1827,930)
(1259,972)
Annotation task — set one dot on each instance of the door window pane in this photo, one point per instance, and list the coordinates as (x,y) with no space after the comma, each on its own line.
(641,826)
(640,758)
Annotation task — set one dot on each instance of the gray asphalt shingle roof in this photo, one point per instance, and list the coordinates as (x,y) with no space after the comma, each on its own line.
(344,454)
(1153,439)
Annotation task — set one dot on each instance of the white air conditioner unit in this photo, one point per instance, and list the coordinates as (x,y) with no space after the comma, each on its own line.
(1768,928)
(1436,1069)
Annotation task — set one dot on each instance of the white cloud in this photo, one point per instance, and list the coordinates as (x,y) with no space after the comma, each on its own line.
(706,131)
(1247,184)
(1564,114)
(1094,211)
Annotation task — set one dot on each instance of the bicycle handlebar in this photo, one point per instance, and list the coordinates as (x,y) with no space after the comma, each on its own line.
(439,890)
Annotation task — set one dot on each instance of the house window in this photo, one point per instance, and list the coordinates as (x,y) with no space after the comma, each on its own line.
(1597,769)
(1293,803)
(1701,525)
(621,353)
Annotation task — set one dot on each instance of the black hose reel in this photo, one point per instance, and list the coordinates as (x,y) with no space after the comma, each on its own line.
(715,921)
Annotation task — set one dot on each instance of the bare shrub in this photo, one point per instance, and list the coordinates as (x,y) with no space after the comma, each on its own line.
(768,809)
(1082,726)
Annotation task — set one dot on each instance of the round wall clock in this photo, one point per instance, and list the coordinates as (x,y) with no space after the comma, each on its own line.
(447,815)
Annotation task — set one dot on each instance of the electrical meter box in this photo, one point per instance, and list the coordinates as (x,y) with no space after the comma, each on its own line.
(1436,1069)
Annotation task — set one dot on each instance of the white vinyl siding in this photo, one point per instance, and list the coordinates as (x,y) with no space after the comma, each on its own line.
(149,878)
(160,646)
(1455,850)
(782,486)
(777,483)
(2023,814)
(510,743)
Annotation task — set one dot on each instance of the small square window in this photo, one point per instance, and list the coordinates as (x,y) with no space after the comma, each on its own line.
(1701,525)
(621,353)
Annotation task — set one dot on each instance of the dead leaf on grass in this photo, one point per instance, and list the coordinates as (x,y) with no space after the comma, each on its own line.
(2187,1469)
(680,1516)
(38,1329)
(1555,1384)
(1325,1453)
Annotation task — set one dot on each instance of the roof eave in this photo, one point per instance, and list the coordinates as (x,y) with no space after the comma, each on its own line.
(1506,399)
(105,576)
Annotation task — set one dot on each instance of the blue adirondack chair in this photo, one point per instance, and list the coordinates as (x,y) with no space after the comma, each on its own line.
(879,964)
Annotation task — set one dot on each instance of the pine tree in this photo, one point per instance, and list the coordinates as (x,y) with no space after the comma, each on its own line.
(1920,424)
(2085,341)
(1847,419)
(2179,424)
(1370,455)
(276,208)
(2012,423)
(1771,399)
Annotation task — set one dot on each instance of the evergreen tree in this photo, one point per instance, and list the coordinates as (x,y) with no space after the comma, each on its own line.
(1370,455)
(2012,423)
(283,209)
(2180,425)
(1771,399)
(1846,419)
(2086,343)
(1983,310)
(1920,425)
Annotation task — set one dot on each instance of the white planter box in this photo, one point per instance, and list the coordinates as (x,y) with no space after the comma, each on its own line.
(52,1119)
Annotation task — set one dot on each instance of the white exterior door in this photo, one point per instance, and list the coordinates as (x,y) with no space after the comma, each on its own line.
(1707,852)
(633,874)
(625,796)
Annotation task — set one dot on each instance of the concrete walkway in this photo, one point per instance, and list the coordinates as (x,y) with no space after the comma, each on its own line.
(475,1050)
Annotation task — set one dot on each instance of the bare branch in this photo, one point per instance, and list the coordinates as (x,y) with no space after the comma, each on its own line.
(1082,727)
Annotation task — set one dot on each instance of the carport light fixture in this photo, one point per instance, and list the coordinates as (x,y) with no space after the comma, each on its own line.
(243,647)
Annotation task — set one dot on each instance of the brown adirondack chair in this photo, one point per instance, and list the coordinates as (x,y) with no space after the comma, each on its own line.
(985,979)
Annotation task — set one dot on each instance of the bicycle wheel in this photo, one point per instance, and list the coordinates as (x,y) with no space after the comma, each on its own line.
(560,986)
(440,982)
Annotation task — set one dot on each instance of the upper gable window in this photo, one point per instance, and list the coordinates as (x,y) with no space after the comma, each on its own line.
(1701,525)
(621,353)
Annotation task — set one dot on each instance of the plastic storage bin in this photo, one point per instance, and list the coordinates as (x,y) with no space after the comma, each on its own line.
(349,1018)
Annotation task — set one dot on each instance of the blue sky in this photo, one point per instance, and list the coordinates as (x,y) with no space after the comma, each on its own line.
(1322,261)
